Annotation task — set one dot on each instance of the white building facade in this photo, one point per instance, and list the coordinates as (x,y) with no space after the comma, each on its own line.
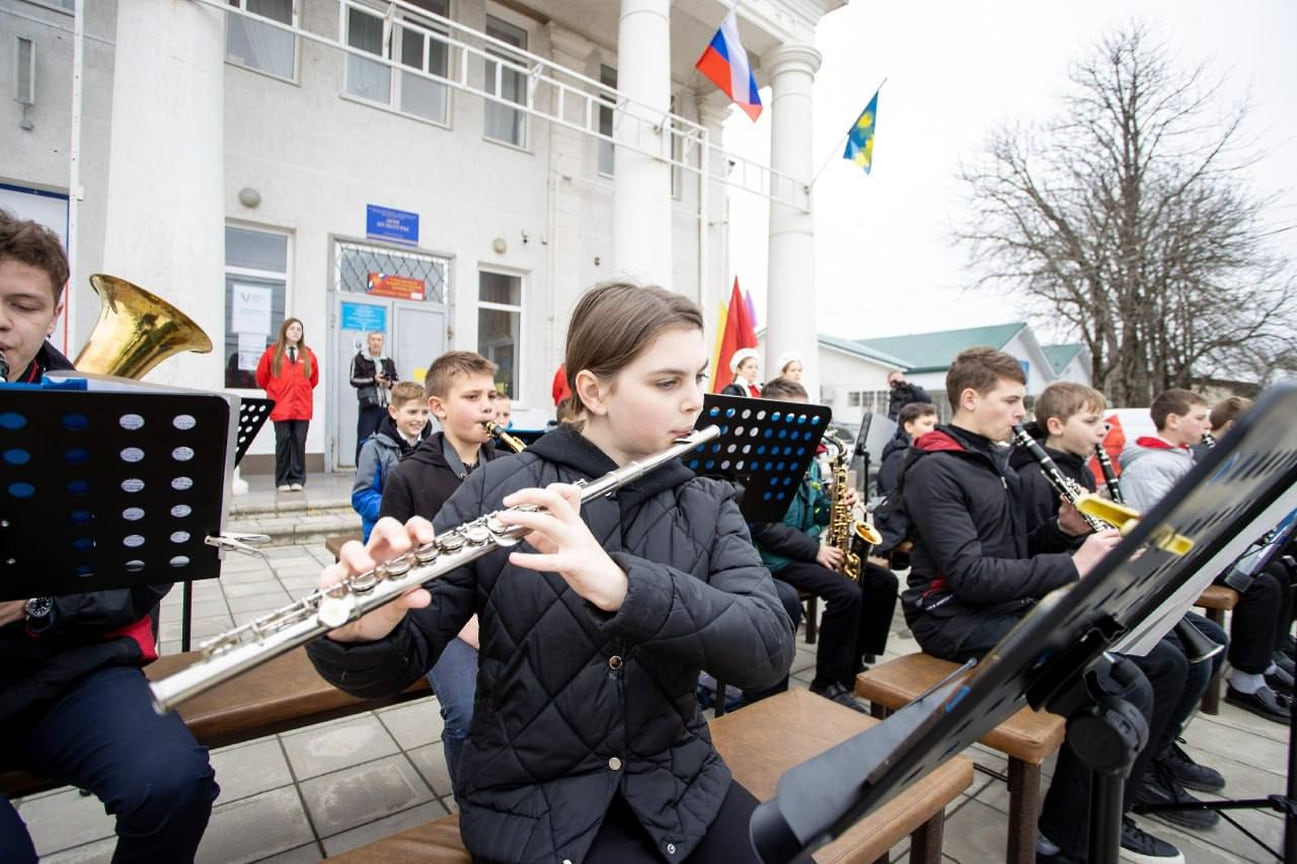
(453,173)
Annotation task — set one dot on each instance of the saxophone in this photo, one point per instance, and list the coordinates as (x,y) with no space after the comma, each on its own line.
(846,532)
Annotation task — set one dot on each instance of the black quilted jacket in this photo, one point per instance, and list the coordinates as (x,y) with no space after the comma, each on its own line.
(575,705)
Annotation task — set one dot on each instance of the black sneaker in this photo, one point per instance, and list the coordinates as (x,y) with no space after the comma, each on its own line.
(1189,773)
(1264,703)
(1280,681)
(1159,787)
(837,693)
(1140,847)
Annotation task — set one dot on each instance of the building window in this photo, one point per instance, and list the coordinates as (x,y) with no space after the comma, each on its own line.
(502,79)
(257,45)
(853,399)
(256,279)
(416,43)
(499,323)
(607,104)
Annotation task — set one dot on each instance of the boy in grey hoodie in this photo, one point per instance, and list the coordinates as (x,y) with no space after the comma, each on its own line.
(1150,467)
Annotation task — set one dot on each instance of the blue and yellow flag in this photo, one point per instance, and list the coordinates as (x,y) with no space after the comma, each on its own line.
(860,140)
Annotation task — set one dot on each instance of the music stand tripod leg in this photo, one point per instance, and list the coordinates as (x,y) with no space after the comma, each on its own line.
(1106,732)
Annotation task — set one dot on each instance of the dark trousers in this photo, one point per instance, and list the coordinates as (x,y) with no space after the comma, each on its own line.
(837,651)
(290,451)
(621,838)
(877,606)
(105,737)
(1197,679)
(367,423)
(1260,621)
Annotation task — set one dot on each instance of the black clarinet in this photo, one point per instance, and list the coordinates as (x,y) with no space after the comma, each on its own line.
(1067,488)
(1110,478)
(1196,644)
(4,368)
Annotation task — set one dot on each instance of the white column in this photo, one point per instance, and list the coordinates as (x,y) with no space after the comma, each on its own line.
(716,278)
(790,300)
(641,226)
(165,215)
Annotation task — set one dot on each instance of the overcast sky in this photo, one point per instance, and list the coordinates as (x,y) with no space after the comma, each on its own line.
(885,260)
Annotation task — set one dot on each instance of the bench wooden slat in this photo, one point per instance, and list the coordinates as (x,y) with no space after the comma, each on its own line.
(281,694)
(1029,735)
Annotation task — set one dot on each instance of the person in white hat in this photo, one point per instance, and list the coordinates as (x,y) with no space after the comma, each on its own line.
(745,365)
(790,366)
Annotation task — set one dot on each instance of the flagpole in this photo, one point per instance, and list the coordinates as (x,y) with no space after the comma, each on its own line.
(833,155)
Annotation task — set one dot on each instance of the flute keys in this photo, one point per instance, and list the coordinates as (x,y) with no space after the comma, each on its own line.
(397,567)
(451,543)
(335,611)
(427,552)
(476,534)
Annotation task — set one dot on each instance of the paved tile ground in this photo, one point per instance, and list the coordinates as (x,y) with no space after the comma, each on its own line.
(318,791)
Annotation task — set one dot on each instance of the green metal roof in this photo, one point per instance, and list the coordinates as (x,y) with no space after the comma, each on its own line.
(852,346)
(933,352)
(1060,355)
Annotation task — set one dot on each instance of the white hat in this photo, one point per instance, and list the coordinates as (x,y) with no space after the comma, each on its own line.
(741,355)
(786,358)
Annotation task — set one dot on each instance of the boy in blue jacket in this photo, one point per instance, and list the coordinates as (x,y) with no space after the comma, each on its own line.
(403,427)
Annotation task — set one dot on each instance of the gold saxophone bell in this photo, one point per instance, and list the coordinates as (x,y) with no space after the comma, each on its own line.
(136,331)
(866,531)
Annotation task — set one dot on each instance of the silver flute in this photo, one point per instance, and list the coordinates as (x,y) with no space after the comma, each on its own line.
(238,650)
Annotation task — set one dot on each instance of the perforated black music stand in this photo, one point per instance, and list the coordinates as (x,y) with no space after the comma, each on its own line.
(1239,490)
(108,489)
(765,445)
(253,414)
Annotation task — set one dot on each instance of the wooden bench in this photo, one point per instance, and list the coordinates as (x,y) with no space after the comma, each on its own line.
(759,743)
(1216,600)
(284,693)
(1027,738)
(334,542)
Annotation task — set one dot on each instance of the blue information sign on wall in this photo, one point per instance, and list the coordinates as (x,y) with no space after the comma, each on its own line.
(364,317)
(384,223)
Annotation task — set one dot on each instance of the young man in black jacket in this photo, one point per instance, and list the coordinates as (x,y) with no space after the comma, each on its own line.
(976,572)
(74,704)
(915,419)
(1069,424)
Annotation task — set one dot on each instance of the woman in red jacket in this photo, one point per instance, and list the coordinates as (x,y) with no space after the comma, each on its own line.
(288,372)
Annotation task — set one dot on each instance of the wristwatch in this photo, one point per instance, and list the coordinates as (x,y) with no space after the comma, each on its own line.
(40,613)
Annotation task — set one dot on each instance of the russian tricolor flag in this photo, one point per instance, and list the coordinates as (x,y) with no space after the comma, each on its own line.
(726,64)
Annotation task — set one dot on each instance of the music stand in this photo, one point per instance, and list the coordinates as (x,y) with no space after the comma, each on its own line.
(253,413)
(875,431)
(109,489)
(765,445)
(1240,489)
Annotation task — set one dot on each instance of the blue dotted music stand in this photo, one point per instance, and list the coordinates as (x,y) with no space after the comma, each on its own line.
(108,489)
(765,446)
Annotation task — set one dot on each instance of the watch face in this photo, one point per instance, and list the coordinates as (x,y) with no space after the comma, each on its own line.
(39,607)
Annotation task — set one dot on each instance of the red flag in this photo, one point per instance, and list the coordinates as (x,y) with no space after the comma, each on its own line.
(738,333)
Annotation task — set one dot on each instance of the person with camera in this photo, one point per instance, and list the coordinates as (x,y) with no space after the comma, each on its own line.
(903,393)
(372,374)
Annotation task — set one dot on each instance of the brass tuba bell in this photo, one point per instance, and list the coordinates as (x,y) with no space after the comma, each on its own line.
(136,331)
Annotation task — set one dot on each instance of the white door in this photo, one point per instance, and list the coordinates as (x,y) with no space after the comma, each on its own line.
(357,317)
